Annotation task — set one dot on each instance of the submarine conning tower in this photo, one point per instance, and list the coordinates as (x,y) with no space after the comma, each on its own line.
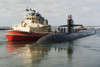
(70,24)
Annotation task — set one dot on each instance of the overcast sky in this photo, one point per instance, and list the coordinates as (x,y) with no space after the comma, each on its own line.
(86,12)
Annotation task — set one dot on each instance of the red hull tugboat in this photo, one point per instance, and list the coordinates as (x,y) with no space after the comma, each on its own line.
(33,27)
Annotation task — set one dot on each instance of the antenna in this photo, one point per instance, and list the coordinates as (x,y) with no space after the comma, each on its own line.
(27,9)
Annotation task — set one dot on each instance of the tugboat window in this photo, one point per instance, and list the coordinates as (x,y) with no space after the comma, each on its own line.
(27,18)
(32,21)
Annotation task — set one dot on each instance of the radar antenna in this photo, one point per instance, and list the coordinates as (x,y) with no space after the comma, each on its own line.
(27,9)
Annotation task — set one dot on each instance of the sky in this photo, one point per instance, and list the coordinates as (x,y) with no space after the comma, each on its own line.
(86,12)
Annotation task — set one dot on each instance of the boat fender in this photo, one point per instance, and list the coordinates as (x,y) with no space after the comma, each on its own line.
(30,31)
(46,21)
(11,28)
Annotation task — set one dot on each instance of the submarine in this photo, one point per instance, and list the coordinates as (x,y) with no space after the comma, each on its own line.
(63,35)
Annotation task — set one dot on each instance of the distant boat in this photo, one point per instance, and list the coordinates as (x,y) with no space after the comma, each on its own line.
(33,27)
(4,28)
(82,28)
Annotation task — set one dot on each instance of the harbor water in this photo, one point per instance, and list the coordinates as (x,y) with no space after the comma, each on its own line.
(82,52)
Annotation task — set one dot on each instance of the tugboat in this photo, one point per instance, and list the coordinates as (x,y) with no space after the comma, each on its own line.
(33,27)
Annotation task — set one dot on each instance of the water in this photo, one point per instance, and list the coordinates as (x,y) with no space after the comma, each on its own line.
(82,52)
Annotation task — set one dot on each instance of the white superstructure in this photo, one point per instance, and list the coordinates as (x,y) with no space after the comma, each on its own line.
(33,22)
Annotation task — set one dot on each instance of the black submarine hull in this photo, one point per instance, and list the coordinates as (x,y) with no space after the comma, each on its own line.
(62,37)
